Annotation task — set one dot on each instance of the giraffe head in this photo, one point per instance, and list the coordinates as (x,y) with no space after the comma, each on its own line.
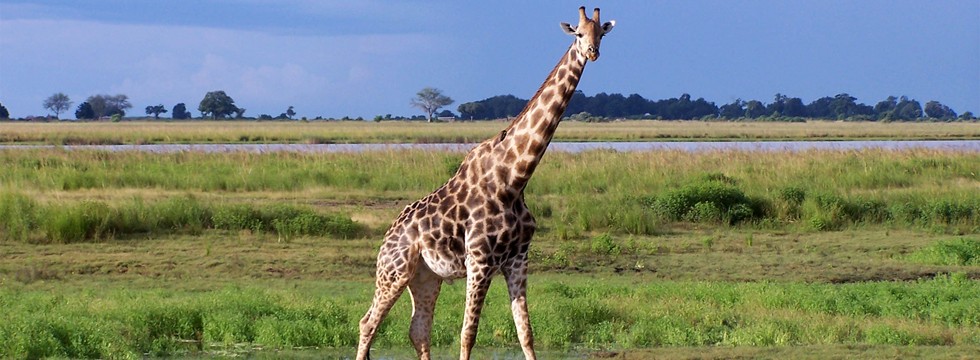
(589,32)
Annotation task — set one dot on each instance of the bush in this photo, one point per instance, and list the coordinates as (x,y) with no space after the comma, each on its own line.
(603,244)
(236,217)
(792,195)
(710,200)
(704,211)
(285,220)
(957,252)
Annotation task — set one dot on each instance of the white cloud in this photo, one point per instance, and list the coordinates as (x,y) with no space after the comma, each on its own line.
(167,64)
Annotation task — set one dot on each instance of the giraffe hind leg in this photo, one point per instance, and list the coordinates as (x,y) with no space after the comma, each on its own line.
(424,289)
(393,277)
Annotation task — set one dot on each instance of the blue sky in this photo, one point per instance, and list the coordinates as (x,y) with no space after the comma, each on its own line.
(369,57)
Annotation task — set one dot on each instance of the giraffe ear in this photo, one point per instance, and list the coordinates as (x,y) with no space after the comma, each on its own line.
(568,29)
(608,26)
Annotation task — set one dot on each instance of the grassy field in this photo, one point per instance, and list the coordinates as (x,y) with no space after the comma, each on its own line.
(871,254)
(319,132)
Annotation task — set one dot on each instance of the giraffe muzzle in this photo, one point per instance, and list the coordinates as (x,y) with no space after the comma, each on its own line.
(593,53)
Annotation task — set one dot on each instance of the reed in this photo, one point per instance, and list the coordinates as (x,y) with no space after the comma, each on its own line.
(71,222)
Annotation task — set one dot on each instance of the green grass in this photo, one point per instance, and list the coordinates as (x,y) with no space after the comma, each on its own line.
(960,251)
(573,194)
(568,312)
(842,253)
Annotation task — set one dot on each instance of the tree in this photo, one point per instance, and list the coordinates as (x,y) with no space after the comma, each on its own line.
(98,105)
(108,105)
(820,108)
(180,112)
(754,109)
(778,105)
(793,107)
(217,104)
(497,107)
(936,110)
(843,106)
(156,110)
(290,113)
(4,114)
(469,110)
(734,110)
(58,103)
(84,111)
(447,114)
(117,105)
(635,105)
(907,109)
(883,109)
(430,100)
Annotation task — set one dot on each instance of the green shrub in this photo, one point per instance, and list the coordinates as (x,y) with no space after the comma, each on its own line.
(290,221)
(704,211)
(956,252)
(285,220)
(793,195)
(236,217)
(604,244)
(705,201)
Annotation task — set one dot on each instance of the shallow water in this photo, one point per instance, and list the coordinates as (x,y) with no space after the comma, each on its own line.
(955,145)
(393,354)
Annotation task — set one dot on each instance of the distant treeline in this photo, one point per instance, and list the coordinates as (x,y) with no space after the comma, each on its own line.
(782,108)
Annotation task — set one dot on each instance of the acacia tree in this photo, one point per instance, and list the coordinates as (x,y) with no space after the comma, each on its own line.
(57,103)
(4,114)
(430,100)
(156,110)
(217,104)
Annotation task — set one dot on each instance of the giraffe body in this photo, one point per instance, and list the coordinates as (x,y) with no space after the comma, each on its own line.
(477,225)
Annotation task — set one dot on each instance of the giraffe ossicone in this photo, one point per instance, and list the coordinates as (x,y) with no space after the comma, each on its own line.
(477,224)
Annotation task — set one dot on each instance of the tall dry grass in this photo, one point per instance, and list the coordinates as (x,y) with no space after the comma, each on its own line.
(158,132)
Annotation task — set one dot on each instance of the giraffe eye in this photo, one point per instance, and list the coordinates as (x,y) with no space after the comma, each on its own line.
(578,35)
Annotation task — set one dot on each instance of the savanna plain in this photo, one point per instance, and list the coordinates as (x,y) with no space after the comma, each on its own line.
(659,254)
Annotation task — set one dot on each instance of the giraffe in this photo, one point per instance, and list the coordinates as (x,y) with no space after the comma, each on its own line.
(477,224)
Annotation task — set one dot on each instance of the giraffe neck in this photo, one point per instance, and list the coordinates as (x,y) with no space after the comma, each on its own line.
(521,146)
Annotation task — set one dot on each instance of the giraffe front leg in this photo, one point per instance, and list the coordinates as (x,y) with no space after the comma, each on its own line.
(477,284)
(517,287)
(396,268)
